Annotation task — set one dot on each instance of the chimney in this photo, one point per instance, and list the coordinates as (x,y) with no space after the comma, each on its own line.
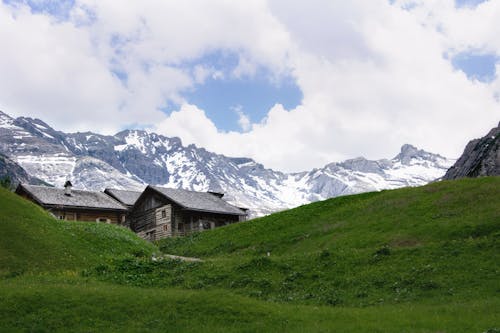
(67,188)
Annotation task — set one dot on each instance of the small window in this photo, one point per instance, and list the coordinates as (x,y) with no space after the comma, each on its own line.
(61,217)
(163,213)
(165,227)
(102,219)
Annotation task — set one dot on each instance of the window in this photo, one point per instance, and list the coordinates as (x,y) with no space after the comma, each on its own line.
(165,227)
(163,213)
(61,217)
(102,219)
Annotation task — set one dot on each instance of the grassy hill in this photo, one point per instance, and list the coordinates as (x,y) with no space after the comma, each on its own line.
(403,218)
(436,243)
(32,241)
(410,260)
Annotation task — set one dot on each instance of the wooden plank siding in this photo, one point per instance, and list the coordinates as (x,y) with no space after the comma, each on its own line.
(154,224)
(88,216)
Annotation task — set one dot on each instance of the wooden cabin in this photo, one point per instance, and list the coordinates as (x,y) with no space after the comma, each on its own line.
(164,212)
(69,204)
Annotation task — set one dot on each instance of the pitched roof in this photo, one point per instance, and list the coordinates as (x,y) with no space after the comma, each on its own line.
(51,196)
(200,201)
(124,196)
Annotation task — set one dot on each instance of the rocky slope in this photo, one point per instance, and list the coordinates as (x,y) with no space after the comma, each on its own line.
(132,158)
(481,157)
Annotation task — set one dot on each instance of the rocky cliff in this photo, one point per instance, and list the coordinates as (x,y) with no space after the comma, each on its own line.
(481,157)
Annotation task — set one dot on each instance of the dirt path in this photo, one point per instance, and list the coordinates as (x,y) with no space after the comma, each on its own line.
(171,256)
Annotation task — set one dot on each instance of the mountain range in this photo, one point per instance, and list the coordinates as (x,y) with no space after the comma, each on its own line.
(131,159)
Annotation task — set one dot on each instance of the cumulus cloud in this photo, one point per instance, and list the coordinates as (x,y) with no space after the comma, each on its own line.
(51,69)
(387,83)
(374,75)
(243,119)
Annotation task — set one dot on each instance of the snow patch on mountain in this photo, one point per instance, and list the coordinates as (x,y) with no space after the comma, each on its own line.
(53,169)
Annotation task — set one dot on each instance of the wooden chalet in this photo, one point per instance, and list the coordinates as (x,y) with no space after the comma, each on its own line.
(68,204)
(163,212)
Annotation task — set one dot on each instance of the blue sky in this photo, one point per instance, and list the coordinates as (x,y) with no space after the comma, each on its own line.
(253,94)
(219,97)
(353,78)
(57,8)
(476,66)
(462,3)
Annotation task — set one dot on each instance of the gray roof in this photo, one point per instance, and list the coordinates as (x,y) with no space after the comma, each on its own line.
(200,201)
(125,197)
(51,196)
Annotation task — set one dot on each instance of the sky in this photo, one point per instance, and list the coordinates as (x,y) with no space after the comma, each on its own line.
(292,84)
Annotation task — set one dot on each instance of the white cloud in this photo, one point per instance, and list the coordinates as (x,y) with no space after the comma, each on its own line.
(243,119)
(190,124)
(51,69)
(373,75)
(387,84)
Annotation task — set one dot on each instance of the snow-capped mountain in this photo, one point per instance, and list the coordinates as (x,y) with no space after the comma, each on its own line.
(133,158)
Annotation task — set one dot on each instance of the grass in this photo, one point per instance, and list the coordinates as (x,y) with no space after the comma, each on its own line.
(32,241)
(408,217)
(37,305)
(438,242)
(410,260)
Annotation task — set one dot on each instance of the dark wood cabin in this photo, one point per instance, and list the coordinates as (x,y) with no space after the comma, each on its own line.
(164,212)
(69,204)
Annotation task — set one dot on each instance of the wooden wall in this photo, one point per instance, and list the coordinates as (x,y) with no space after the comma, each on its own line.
(89,215)
(155,217)
(155,224)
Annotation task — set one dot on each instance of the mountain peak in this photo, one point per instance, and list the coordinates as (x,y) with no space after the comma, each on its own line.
(409,152)
(408,148)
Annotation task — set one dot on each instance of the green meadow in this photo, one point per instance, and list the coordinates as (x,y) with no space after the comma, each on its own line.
(423,259)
